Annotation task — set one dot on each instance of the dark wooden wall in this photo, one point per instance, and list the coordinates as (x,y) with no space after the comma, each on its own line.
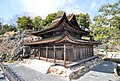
(73,52)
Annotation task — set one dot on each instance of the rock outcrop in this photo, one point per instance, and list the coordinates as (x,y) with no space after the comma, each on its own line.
(12,43)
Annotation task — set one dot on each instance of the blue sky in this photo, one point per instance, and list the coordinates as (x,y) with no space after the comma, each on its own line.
(10,8)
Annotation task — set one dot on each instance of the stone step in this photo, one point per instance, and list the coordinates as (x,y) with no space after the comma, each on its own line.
(40,66)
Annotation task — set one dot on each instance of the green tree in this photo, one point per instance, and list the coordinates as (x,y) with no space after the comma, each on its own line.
(59,14)
(106,26)
(37,21)
(48,20)
(0,24)
(5,28)
(12,28)
(83,20)
(25,22)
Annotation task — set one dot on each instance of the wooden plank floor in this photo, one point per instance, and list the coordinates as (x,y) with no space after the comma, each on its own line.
(68,64)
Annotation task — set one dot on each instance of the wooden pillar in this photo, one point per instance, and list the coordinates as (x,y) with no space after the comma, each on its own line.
(54,54)
(92,51)
(78,57)
(34,52)
(32,56)
(89,51)
(46,53)
(79,53)
(73,52)
(64,55)
(85,52)
(39,51)
(30,52)
(23,50)
(76,53)
(82,52)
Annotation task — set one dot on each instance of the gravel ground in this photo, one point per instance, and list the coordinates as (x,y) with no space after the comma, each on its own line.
(101,72)
(1,76)
(3,79)
(29,74)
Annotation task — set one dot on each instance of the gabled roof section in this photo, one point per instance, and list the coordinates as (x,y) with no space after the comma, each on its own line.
(74,22)
(71,21)
(53,25)
(66,37)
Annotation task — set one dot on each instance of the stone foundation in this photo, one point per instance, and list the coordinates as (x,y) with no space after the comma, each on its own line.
(74,73)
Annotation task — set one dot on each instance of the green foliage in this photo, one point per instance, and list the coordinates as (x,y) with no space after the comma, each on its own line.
(83,20)
(85,38)
(5,28)
(37,21)
(25,22)
(48,20)
(10,61)
(3,57)
(29,23)
(106,26)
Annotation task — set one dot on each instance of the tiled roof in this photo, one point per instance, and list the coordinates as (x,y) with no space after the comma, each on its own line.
(68,19)
(65,37)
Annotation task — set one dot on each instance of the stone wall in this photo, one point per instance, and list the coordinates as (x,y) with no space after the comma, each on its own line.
(74,73)
(84,68)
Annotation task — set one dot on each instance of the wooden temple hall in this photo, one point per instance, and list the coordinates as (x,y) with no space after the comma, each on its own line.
(61,43)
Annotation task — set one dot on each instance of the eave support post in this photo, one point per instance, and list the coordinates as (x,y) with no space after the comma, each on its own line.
(64,55)
(92,51)
(34,52)
(46,53)
(30,52)
(54,54)
(39,52)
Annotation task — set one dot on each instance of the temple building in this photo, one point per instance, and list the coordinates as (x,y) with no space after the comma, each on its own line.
(62,42)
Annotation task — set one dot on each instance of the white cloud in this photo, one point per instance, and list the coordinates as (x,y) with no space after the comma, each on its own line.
(93,5)
(44,7)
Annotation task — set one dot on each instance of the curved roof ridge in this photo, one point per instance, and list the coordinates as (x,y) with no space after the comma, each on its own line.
(65,37)
(57,23)
(71,16)
(71,22)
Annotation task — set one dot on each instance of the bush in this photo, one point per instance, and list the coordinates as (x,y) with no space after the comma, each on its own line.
(10,61)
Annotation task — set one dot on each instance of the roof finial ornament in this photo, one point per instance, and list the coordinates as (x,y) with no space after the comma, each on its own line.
(72,13)
(64,14)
